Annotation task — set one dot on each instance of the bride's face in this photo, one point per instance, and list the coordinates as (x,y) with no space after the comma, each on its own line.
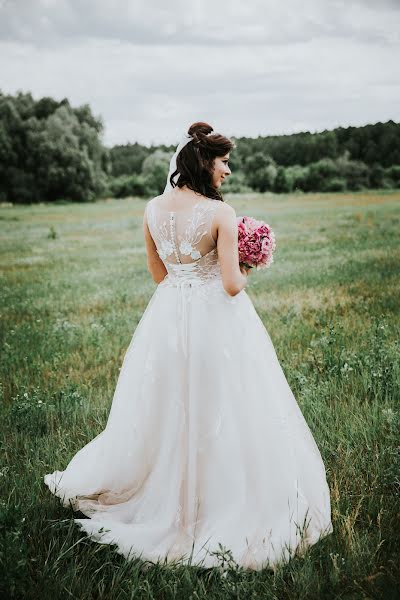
(221,170)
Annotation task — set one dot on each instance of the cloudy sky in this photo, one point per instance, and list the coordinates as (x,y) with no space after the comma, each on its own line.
(152,67)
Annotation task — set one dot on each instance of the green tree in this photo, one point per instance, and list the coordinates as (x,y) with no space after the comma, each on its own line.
(355,172)
(155,171)
(50,150)
(127,159)
(376,176)
(336,184)
(260,171)
(320,174)
(297,175)
(392,176)
(127,185)
(236,183)
(283,183)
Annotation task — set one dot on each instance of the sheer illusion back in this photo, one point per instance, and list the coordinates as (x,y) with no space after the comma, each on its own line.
(183,238)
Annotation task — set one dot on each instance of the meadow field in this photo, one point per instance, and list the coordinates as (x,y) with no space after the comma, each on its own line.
(74,285)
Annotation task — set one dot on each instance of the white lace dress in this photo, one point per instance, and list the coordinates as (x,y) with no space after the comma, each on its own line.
(205,446)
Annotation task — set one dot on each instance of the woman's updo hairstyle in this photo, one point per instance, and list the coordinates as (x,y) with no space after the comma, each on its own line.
(194,162)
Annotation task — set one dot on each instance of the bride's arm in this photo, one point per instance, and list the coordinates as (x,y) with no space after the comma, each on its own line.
(155,265)
(233,279)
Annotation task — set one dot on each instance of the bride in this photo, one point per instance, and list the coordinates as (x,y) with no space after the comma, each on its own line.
(205,448)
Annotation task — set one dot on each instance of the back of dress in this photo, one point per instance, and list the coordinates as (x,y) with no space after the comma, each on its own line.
(184,240)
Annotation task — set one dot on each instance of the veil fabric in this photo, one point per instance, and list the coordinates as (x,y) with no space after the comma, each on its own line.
(185,139)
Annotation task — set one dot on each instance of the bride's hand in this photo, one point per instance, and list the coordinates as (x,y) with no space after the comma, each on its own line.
(245,270)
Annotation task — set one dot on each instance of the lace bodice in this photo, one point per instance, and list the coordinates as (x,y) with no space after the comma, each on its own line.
(185,245)
(184,240)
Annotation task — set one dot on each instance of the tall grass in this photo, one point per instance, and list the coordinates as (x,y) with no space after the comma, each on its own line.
(73,288)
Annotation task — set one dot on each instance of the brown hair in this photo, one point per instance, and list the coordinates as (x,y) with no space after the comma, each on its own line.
(194,162)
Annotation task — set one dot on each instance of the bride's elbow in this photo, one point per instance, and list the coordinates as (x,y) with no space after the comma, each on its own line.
(232,290)
(233,280)
(232,294)
(157,273)
(157,278)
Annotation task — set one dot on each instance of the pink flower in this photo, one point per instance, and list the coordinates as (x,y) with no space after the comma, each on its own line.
(256,242)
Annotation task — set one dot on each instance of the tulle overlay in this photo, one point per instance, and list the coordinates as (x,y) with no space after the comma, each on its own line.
(205,445)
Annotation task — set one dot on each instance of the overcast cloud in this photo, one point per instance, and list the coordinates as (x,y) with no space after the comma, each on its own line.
(151,68)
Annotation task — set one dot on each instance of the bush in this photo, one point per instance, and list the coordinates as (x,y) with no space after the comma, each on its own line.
(297,176)
(336,184)
(320,173)
(236,184)
(376,176)
(127,185)
(155,171)
(355,172)
(260,171)
(393,175)
(283,183)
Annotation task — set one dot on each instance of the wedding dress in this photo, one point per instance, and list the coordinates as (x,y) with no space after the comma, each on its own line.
(205,446)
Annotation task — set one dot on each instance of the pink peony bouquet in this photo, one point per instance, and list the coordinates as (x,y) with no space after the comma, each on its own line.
(256,242)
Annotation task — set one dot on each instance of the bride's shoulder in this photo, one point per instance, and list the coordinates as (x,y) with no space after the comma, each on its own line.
(152,202)
(224,208)
(225,216)
(154,199)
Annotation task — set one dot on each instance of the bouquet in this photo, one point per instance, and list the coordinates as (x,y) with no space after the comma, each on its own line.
(256,243)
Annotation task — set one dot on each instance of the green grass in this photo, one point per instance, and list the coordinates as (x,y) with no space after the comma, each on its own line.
(74,285)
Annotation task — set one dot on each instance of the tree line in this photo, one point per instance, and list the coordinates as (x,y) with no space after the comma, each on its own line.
(52,151)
